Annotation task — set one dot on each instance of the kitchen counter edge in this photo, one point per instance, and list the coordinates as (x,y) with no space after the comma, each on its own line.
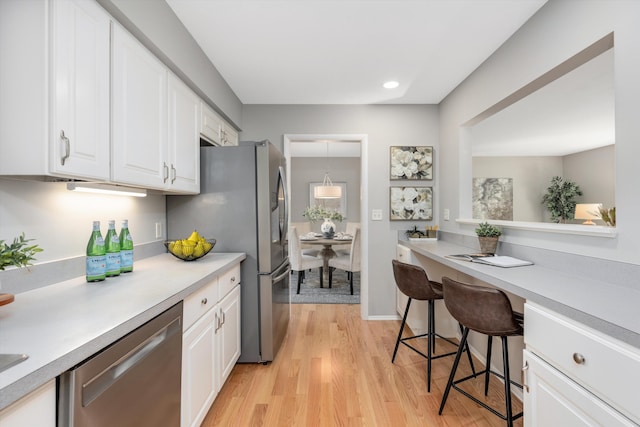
(180,279)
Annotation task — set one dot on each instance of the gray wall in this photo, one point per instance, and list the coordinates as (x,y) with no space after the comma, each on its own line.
(160,30)
(385,125)
(592,170)
(559,30)
(305,170)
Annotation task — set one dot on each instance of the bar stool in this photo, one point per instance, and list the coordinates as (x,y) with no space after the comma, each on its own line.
(487,311)
(414,283)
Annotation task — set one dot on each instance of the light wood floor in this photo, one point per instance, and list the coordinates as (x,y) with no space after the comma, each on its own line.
(335,370)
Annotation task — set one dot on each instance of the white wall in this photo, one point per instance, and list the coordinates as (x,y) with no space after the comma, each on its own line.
(385,125)
(594,171)
(60,220)
(558,31)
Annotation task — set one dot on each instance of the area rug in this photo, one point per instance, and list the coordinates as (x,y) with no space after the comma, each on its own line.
(312,293)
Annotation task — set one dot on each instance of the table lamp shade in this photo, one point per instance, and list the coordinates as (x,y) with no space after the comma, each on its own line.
(588,212)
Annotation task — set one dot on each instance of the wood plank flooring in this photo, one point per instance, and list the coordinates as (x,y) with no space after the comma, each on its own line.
(335,370)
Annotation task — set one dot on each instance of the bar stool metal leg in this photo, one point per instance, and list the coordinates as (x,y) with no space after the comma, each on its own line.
(488,365)
(507,382)
(404,320)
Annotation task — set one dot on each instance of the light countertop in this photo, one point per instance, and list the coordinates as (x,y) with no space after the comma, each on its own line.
(609,308)
(60,325)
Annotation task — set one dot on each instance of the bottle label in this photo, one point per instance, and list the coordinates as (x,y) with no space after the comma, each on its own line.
(96,267)
(126,260)
(113,263)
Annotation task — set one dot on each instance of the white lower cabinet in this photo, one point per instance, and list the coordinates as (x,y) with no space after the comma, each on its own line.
(198,370)
(552,399)
(575,375)
(36,409)
(228,336)
(210,344)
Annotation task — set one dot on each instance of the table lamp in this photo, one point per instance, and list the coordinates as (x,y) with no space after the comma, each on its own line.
(588,211)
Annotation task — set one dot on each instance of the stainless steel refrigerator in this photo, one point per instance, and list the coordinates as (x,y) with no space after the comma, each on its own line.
(242,204)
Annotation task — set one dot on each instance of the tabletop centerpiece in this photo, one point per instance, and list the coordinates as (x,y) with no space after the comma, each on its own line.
(488,235)
(317,213)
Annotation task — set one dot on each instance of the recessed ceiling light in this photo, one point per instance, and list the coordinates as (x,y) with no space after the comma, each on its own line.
(391,85)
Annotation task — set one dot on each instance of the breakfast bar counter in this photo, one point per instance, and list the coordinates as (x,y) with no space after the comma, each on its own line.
(609,308)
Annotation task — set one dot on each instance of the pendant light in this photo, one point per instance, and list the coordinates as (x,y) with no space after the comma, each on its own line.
(327,190)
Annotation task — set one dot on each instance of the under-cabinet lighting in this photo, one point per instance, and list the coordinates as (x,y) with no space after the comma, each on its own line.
(113,190)
(391,85)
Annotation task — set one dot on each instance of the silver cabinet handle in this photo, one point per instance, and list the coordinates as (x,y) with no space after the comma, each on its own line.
(224,317)
(579,359)
(173,173)
(217,323)
(524,373)
(65,147)
(165,173)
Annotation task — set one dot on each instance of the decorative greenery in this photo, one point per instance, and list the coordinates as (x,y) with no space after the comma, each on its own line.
(608,215)
(18,254)
(415,233)
(488,230)
(560,199)
(317,213)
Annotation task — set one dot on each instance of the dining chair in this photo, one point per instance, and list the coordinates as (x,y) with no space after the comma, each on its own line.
(349,229)
(299,261)
(347,262)
(304,228)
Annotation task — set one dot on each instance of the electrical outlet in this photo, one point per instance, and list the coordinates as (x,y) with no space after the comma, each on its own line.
(446,215)
(376,215)
(158,230)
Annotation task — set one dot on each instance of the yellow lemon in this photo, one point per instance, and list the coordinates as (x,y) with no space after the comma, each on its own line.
(177,248)
(198,251)
(187,247)
(207,246)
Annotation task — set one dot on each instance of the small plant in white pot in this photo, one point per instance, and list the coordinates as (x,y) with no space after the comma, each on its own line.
(488,236)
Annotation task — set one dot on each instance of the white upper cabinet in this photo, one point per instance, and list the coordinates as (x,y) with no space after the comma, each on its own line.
(139,114)
(184,139)
(215,129)
(156,121)
(55,103)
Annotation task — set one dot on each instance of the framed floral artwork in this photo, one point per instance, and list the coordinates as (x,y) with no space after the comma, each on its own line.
(413,163)
(410,203)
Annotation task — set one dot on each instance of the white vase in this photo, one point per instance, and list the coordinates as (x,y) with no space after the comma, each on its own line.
(328,228)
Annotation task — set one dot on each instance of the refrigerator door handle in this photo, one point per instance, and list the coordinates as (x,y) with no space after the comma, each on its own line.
(283,275)
(284,224)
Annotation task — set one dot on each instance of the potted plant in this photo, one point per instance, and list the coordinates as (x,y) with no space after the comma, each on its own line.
(560,199)
(608,215)
(316,213)
(488,235)
(18,254)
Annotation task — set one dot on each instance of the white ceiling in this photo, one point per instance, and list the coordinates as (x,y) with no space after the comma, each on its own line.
(342,51)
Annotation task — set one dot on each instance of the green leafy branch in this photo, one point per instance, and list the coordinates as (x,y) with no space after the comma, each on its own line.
(19,254)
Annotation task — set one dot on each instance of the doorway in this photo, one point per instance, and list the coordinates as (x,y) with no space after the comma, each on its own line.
(343,145)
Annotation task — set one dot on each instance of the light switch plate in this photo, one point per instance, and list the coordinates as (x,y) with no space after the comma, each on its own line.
(376,215)
(446,215)
(158,230)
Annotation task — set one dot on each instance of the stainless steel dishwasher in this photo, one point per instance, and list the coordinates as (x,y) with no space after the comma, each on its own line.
(135,382)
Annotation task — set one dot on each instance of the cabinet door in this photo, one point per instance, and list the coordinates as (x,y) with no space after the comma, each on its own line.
(552,399)
(228,334)
(80,92)
(199,387)
(36,409)
(229,136)
(184,137)
(211,124)
(139,114)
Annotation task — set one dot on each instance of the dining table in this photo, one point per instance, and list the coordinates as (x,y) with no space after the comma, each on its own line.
(327,251)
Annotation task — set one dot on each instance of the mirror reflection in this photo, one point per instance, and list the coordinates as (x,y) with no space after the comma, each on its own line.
(564,129)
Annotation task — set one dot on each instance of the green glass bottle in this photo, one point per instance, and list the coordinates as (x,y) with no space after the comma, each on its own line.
(126,248)
(96,255)
(112,245)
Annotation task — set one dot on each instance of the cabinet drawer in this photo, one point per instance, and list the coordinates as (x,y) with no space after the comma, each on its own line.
(605,366)
(228,280)
(199,302)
